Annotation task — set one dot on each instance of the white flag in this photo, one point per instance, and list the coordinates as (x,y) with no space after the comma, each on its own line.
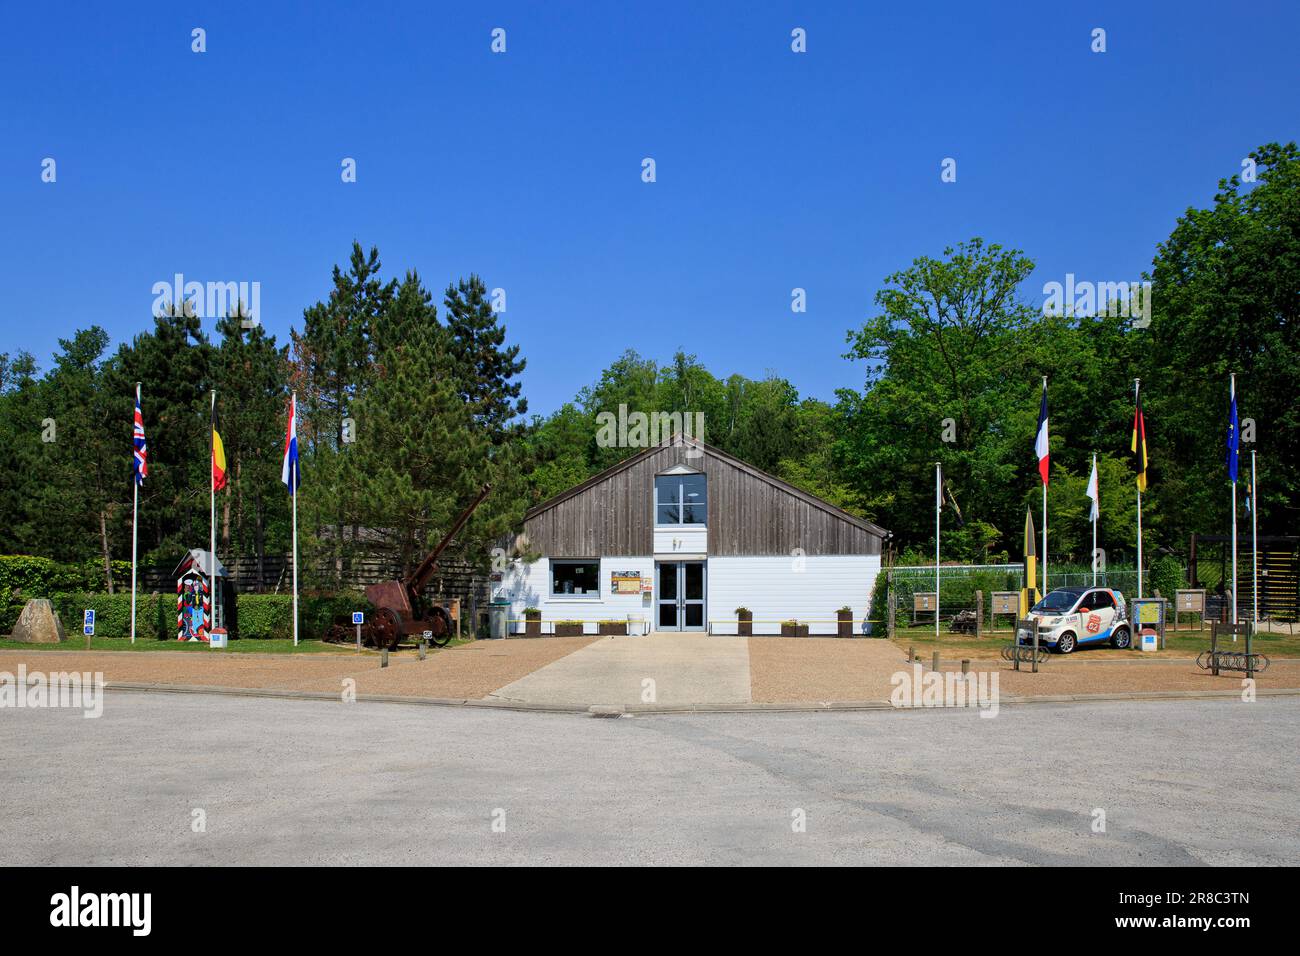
(1092,491)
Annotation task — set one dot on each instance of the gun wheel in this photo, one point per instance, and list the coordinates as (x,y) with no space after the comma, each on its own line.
(384,629)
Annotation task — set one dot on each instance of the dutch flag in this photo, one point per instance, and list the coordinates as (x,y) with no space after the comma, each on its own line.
(289,473)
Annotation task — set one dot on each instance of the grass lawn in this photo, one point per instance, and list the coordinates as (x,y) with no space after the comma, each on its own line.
(989,647)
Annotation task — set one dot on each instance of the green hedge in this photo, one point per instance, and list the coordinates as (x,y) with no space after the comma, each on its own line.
(257,616)
(42,577)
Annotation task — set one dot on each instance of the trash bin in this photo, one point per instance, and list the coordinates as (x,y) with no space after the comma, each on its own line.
(636,624)
(498,619)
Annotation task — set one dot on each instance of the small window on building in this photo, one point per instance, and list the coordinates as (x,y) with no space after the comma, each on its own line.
(575,578)
(681,499)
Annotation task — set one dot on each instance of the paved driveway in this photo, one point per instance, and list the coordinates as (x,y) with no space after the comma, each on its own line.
(291,782)
(659,668)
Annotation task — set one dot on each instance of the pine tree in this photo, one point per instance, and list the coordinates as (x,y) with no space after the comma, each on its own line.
(487,368)
(251,373)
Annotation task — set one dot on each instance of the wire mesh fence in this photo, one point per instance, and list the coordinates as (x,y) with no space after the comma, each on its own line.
(977,600)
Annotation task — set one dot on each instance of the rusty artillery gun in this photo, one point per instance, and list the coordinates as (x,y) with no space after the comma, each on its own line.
(400,608)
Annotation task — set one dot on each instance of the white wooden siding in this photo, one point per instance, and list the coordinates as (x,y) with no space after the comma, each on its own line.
(529,585)
(775,591)
(683,539)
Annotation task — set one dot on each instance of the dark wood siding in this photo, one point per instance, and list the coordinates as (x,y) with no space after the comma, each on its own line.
(749,514)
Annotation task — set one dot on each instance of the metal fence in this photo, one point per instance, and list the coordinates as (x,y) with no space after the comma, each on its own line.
(966,595)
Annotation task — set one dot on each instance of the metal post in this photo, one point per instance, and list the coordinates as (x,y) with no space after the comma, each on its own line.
(1214,649)
(979,614)
(358,638)
(934,666)
(890,600)
(1250,661)
(1035,645)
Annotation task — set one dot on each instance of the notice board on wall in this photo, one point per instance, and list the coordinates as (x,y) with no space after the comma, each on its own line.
(625,582)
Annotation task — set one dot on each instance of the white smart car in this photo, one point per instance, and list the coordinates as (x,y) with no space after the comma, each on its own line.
(1072,617)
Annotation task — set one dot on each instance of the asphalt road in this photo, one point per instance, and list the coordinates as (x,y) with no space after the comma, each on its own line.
(305,782)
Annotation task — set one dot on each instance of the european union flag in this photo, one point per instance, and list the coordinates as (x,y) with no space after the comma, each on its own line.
(1234,438)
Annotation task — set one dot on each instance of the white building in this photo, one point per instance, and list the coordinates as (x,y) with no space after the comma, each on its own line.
(681,535)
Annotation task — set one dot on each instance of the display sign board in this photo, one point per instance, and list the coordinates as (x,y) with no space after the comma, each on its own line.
(88,622)
(1191,601)
(1006,602)
(923,601)
(625,582)
(358,617)
(1149,612)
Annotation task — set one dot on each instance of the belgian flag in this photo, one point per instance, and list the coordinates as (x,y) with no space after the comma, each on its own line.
(1138,445)
(218,456)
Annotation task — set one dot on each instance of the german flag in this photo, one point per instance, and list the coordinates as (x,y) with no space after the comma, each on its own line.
(218,456)
(1138,445)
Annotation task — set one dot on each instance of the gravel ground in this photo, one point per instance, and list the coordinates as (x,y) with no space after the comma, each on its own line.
(786,669)
(470,671)
(1101,677)
(781,670)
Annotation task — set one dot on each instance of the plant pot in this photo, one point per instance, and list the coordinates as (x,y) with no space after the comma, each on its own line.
(568,630)
(844,623)
(794,630)
(533,626)
(611,628)
(745,624)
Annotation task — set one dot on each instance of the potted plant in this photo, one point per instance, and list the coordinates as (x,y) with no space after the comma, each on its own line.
(792,628)
(744,622)
(612,627)
(532,622)
(568,628)
(844,622)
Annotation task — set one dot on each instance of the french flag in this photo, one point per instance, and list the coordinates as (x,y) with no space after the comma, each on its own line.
(1040,443)
(289,473)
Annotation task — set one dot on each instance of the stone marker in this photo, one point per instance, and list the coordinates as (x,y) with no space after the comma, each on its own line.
(38,624)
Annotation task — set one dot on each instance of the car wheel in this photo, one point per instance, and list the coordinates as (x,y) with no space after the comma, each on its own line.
(1065,644)
(1121,638)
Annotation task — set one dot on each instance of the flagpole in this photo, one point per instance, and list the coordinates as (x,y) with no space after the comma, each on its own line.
(1095,509)
(1043,561)
(212,514)
(293,477)
(1232,391)
(938,506)
(1137,391)
(1254,543)
(135,511)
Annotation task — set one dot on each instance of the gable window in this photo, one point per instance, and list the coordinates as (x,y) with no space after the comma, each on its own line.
(575,579)
(681,499)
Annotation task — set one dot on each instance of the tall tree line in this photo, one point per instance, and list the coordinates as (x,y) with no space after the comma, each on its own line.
(403,417)
(953,358)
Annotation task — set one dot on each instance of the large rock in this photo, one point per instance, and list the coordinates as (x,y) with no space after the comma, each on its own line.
(38,624)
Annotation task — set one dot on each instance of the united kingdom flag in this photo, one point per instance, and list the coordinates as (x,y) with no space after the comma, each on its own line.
(141,461)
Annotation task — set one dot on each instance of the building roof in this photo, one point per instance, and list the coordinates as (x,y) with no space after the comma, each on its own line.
(197,557)
(758,473)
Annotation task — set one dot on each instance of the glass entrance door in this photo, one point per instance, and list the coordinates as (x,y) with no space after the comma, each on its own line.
(679,595)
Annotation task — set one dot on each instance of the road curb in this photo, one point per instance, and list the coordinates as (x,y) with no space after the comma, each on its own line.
(601,710)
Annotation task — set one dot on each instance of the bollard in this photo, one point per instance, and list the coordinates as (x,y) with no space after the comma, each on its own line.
(383,657)
(965,665)
(422,648)
(911,653)
(935,665)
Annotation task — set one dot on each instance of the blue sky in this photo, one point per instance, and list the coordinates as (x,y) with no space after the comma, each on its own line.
(775,170)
